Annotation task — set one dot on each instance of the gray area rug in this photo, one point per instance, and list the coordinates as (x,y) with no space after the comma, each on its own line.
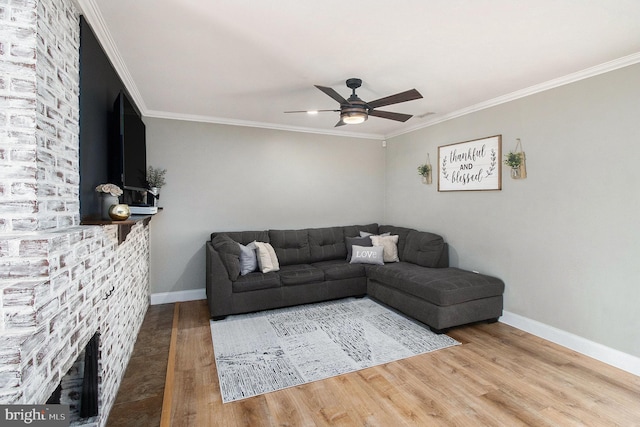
(267,351)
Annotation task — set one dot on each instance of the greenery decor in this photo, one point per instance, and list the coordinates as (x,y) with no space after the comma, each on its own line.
(155,177)
(513,160)
(424,170)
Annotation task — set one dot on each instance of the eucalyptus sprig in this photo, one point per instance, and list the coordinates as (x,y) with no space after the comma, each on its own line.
(423,170)
(513,160)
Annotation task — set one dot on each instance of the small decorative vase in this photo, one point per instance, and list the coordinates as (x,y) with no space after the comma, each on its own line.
(426,179)
(107,200)
(119,212)
(515,173)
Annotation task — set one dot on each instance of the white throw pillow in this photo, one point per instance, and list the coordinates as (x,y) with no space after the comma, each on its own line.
(390,245)
(367,255)
(267,259)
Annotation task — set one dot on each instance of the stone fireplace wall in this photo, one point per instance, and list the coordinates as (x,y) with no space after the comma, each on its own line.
(60,282)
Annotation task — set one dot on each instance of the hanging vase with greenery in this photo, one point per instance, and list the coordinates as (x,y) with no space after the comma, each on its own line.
(513,160)
(424,170)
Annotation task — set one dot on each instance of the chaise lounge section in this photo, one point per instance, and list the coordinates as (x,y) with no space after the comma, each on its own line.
(313,267)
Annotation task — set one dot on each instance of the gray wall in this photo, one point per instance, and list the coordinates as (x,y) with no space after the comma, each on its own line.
(566,240)
(224,178)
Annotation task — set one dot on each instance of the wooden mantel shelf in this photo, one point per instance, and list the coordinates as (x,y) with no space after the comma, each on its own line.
(124,227)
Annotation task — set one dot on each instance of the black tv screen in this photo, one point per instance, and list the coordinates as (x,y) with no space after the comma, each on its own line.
(129,159)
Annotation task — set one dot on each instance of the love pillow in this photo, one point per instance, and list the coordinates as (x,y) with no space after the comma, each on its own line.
(367,255)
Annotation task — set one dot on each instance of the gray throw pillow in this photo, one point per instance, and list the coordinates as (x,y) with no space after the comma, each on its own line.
(367,234)
(248,259)
(367,255)
(360,241)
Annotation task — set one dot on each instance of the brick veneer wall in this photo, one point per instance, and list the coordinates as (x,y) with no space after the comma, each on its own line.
(39,159)
(60,282)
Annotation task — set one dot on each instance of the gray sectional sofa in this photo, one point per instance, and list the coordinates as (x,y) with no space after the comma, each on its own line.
(314,267)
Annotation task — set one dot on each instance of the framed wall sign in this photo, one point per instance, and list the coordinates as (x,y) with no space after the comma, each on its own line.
(471,165)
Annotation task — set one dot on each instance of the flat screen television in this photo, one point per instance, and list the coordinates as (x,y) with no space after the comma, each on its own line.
(128,159)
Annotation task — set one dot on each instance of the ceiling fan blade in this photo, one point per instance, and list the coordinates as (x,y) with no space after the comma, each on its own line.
(391,116)
(409,95)
(333,94)
(312,111)
(340,123)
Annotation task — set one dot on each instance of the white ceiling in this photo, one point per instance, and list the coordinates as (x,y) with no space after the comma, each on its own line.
(247,61)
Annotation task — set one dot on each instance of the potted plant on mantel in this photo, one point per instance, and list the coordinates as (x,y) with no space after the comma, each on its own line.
(155,181)
(513,160)
(424,171)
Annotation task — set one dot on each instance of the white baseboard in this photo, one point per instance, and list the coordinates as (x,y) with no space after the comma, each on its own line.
(605,354)
(178,296)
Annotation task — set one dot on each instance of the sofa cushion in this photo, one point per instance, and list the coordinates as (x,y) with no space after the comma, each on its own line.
(423,248)
(300,274)
(256,281)
(339,269)
(439,286)
(359,241)
(229,252)
(326,243)
(291,246)
(246,237)
(401,232)
(354,230)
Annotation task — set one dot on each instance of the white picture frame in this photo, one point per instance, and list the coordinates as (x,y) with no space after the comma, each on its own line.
(471,165)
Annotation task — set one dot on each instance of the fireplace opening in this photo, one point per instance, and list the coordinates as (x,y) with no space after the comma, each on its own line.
(79,387)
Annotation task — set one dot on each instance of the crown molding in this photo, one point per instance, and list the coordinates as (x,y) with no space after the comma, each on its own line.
(93,16)
(247,123)
(531,90)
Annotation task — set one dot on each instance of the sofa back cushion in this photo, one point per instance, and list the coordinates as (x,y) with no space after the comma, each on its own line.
(291,246)
(425,249)
(229,252)
(246,237)
(327,243)
(401,232)
(354,230)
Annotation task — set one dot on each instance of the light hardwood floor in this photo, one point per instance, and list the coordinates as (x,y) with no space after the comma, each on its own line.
(499,376)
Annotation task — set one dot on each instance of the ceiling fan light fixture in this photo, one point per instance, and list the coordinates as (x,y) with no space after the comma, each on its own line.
(354,110)
(354,117)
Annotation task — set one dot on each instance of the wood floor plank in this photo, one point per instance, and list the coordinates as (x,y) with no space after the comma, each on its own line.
(324,405)
(498,376)
(287,410)
(370,410)
(165,419)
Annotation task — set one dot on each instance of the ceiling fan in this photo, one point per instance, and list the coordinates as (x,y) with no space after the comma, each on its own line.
(354,110)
